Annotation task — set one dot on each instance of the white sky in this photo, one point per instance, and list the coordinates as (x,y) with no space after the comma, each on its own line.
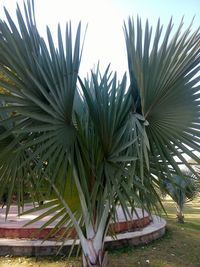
(104,38)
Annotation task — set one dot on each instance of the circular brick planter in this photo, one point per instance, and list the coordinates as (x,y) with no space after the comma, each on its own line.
(20,241)
(13,227)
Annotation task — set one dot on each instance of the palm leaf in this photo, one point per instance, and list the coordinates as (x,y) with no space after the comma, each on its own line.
(164,70)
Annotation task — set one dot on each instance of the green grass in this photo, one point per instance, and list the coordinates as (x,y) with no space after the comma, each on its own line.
(180,247)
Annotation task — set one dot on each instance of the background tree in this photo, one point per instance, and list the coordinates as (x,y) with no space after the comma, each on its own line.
(114,143)
(181,189)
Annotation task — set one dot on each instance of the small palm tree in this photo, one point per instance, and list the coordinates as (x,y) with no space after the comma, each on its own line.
(181,189)
(114,144)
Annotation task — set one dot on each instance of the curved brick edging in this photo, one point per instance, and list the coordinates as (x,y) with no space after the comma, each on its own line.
(13,227)
(20,247)
(33,233)
(134,225)
(153,231)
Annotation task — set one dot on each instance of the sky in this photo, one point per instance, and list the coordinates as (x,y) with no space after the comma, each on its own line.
(104,37)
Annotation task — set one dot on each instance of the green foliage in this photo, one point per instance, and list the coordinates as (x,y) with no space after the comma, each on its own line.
(164,75)
(104,141)
(3,78)
(182,188)
(40,99)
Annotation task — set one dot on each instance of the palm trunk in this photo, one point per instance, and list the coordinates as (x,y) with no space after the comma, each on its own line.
(179,214)
(93,248)
(93,254)
(94,258)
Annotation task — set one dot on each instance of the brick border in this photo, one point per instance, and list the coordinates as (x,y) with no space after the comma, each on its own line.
(23,247)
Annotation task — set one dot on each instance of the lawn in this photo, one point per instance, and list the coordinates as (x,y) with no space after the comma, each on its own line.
(180,247)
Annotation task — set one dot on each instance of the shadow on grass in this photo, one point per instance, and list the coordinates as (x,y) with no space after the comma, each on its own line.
(191,225)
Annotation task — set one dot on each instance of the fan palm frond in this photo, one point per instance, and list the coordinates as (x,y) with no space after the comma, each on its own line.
(164,74)
(41,92)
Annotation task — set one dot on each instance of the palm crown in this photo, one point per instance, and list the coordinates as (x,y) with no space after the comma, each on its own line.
(112,142)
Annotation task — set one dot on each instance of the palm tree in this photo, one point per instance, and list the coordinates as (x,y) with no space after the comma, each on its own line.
(182,189)
(114,144)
